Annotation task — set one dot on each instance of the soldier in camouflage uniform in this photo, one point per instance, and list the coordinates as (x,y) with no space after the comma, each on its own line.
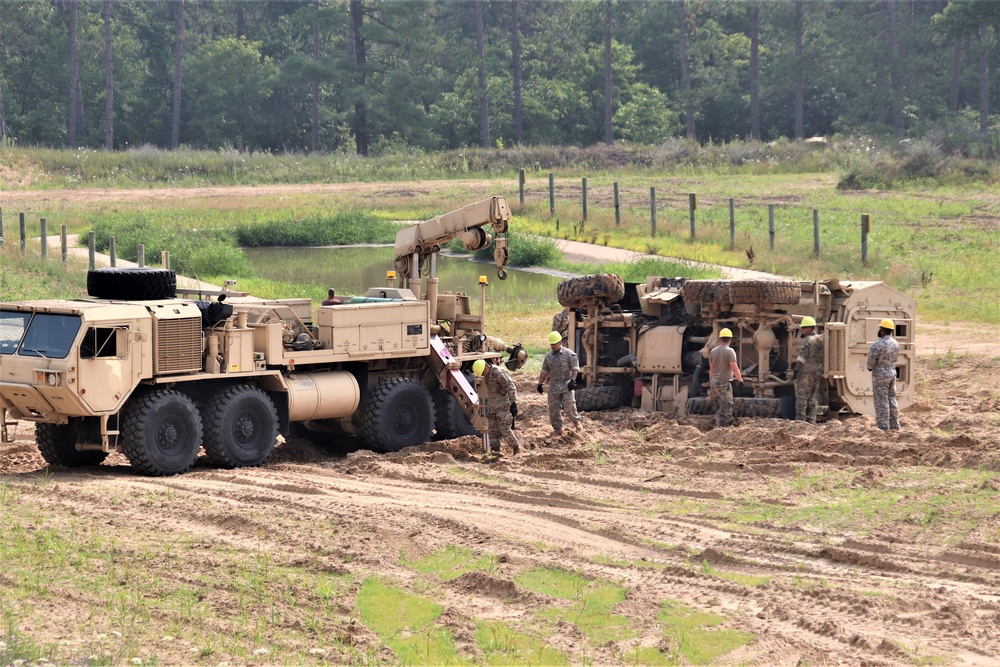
(560,367)
(882,364)
(560,322)
(722,369)
(500,395)
(808,372)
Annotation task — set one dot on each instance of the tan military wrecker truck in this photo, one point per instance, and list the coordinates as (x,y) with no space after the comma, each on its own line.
(646,344)
(157,377)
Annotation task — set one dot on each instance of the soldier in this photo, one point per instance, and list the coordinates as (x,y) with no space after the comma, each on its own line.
(808,371)
(331,298)
(722,368)
(501,403)
(882,364)
(560,322)
(561,367)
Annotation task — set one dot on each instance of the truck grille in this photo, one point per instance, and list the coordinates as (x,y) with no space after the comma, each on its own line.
(835,349)
(178,346)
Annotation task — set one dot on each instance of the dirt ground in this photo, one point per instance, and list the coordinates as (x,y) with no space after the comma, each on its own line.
(636,498)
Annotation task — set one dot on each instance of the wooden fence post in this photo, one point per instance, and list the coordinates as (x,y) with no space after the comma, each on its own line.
(91,242)
(865,225)
(552,193)
(520,185)
(585,199)
(815,233)
(652,211)
(142,255)
(44,238)
(111,250)
(618,208)
(732,223)
(24,232)
(770,225)
(692,205)
(63,242)
(165,259)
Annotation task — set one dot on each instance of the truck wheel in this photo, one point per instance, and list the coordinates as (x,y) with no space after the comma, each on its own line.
(584,290)
(760,408)
(699,406)
(450,421)
(765,291)
(161,432)
(610,397)
(132,284)
(706,291)
(241,426)
(400,413)
(58,447)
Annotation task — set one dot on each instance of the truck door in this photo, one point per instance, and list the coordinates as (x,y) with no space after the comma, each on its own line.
(106,366)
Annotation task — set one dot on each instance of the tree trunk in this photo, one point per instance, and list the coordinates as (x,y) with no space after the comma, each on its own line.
(241,26)
(685,71)
(984,79)
(74,74)
(516,56)
(484,95)
(800,125)
(4,130)
(895,80)
(609,132)
(357,12)
(755,72)
(315,84)
(956,73)
(109,82)
(175,119)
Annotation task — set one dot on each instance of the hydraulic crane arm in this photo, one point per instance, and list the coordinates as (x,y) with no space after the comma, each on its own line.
(416,243)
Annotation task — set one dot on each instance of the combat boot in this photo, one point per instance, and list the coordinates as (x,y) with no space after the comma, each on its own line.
(556,433)
(578,425)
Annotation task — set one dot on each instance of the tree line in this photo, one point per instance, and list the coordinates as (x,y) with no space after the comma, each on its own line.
(372,75)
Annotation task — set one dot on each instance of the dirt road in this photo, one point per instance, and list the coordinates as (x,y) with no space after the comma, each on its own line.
(830,544)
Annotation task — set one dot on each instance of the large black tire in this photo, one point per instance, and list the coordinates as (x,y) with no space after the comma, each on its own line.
(161,432)
(706,291)
(399,413)
(241,426)
(758,408)
(610,397)
(699,406)
(450,421)
(601,288)
(765,291)
(132,284)
(57,444)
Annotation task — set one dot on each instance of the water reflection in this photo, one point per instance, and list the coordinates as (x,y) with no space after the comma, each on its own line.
(353,270)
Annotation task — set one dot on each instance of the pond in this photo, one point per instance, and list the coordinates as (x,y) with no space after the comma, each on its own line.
(351,271)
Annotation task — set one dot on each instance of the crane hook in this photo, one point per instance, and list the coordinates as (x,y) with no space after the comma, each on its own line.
(502,274)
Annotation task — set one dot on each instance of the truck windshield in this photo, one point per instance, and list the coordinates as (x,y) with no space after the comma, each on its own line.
(12,326)
(49,335)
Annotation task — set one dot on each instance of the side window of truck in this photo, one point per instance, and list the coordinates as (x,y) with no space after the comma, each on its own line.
(104,343)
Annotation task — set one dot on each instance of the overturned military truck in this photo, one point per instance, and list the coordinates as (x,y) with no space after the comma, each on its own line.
(646,344)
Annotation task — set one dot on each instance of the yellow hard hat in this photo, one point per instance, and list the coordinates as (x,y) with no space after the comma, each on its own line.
(808,321)
(478,366)
(555,337)
(725,333)
(887,324)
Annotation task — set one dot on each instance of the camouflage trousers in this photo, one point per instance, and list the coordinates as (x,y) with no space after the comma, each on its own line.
(500,430)
(886,408)
(562,400)
(721,395)
(807,396)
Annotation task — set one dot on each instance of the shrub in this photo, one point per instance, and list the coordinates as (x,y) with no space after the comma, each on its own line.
(525,250)
(344,228)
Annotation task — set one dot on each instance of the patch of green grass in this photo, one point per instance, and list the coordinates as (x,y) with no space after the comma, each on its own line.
(405,622)
(27,277)
(504,645)
(452,562)
(592,602)
(697,635)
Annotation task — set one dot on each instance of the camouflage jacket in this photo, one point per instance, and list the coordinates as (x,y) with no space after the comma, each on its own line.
(560,322)
(560,366)
(882,358)
(811,354)
(499,389)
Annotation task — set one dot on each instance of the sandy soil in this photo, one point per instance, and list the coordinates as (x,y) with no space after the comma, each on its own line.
(615,499)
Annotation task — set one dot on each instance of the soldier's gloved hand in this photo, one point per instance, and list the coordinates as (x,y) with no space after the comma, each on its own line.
(513,409)
(571,385)
(540,389)
(795,374)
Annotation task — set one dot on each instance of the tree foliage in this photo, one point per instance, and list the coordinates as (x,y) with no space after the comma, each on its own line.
(416,84)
